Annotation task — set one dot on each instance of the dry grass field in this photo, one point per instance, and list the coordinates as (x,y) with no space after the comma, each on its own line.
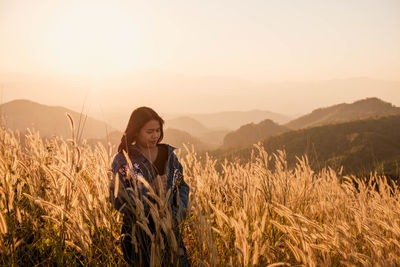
(54,209)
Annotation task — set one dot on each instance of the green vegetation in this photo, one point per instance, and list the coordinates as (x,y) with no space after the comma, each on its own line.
(252,133)
(361,146)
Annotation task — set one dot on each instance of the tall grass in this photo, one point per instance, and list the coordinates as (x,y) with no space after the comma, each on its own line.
(54,209)
(254,216)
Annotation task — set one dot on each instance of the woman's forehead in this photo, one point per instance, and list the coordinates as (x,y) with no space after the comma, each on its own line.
(153,124)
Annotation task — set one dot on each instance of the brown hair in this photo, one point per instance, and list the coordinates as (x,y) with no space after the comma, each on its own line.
(138,119)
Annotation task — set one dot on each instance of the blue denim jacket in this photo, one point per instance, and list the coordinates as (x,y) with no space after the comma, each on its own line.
(142,166)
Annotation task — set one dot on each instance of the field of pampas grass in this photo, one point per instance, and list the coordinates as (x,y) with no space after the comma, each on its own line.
(55,210)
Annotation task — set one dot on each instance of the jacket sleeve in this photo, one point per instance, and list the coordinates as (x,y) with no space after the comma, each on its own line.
(179,207)
(123,199)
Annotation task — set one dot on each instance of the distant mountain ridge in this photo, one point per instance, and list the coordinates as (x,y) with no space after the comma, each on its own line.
(233,120)
(49,120)
(252,133)
(361,146)
(205,135)
(187,124)
(178,138)
(196,93)
(52,120)
(369,107)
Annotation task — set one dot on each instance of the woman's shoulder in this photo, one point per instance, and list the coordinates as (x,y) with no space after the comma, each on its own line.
(134,156)
(118,160)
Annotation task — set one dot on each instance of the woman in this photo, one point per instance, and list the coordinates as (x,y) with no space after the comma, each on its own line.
(158,165)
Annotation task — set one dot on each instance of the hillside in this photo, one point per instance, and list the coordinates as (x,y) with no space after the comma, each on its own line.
(234,119)
(252,133)
(369,107)
(214,138)
(177,138)
(361,146)
(187,124)
(49,120)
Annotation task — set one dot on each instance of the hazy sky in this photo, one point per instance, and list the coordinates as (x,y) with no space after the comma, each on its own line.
(257,41)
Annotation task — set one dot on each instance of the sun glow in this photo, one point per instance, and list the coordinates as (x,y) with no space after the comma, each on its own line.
(96,39)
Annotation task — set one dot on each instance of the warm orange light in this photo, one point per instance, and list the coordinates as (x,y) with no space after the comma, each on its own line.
(96,39)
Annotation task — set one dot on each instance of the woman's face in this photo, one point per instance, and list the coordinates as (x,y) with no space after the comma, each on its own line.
(149,134)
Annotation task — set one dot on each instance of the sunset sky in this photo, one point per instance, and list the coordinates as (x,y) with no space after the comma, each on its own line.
(254,42)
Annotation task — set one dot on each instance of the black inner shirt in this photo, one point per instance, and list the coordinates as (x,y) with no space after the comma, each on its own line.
(161,160)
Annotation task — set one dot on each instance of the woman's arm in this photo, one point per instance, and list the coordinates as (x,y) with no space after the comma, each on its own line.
(121,192)
(180,190)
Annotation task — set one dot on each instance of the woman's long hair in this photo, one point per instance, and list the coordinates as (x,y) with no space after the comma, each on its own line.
(138,119)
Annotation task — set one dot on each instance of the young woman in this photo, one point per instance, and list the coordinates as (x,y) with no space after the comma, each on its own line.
(160,167)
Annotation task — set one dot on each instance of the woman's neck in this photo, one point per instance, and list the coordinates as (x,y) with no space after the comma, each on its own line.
(149,153)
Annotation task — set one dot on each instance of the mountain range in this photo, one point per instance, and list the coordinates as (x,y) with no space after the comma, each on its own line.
(365,108)
(50,120)
(251,133)
(361,136)
(361,109)
(114,97)
(362,146)
(232,120)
